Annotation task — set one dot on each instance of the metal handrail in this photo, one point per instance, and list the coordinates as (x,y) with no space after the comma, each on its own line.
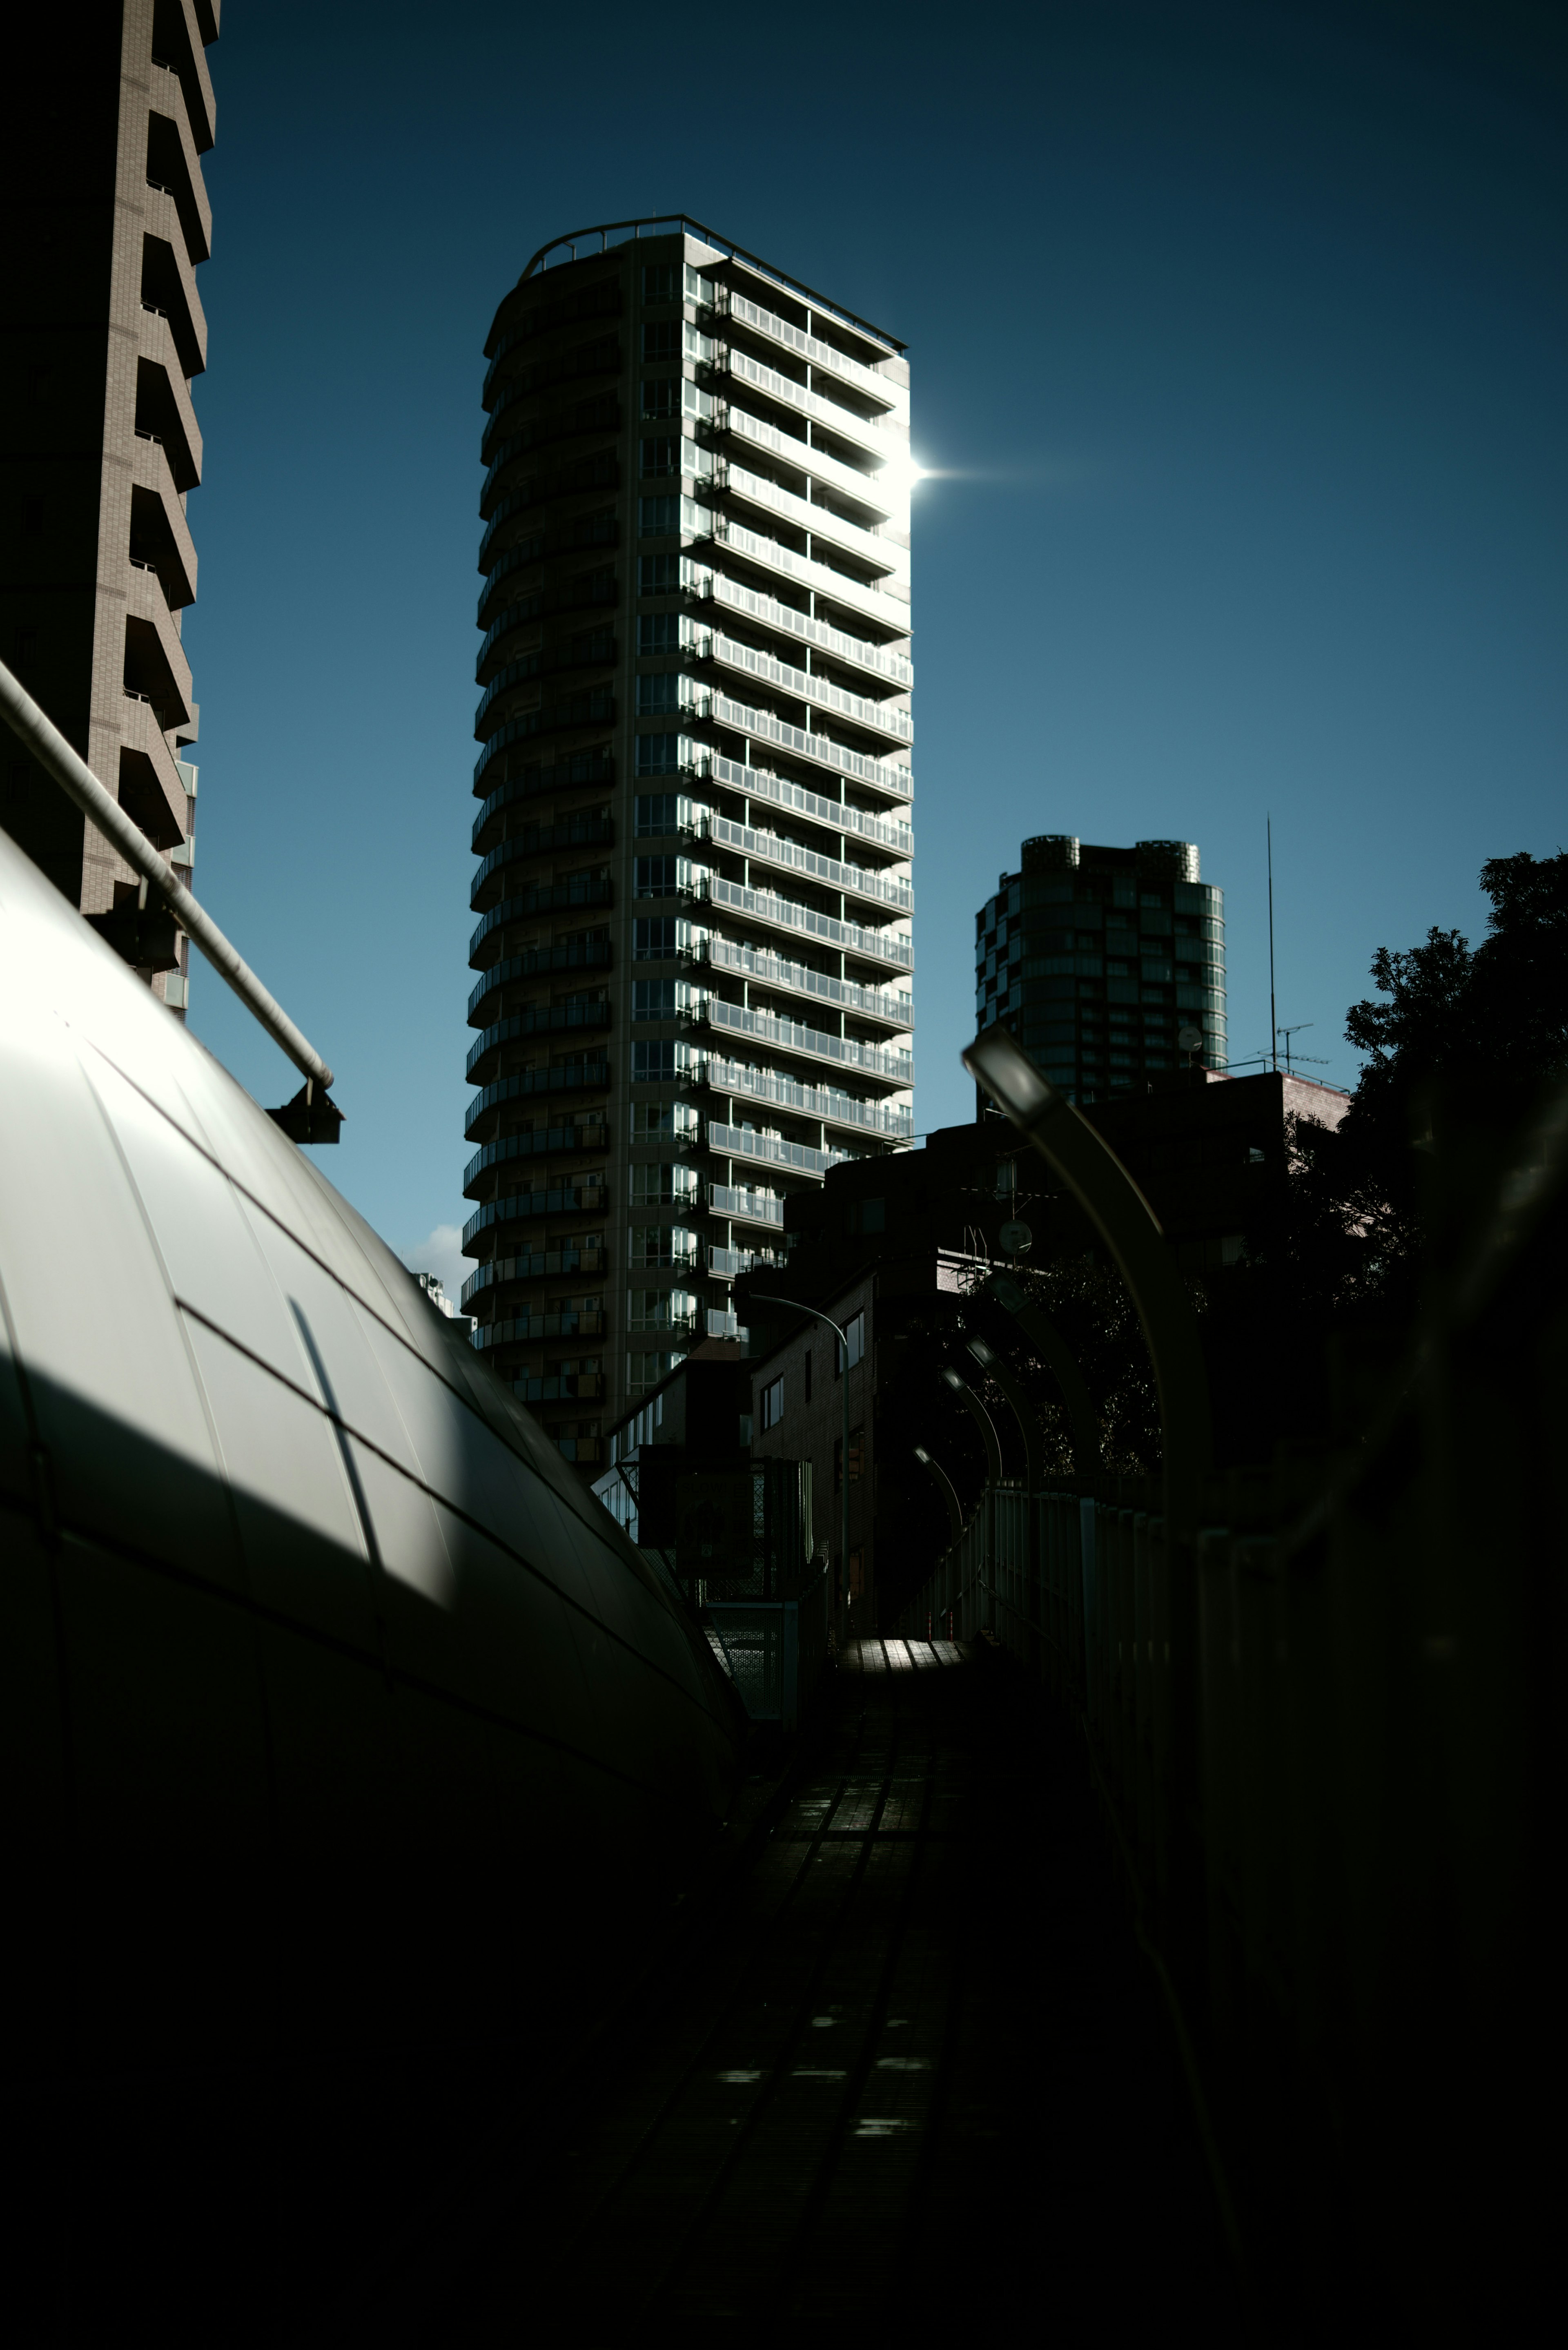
(78,783)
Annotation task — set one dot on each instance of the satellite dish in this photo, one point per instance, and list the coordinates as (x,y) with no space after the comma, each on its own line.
(1191,1039)
(1016,1238)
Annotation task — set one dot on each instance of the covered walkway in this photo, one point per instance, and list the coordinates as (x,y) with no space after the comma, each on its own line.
(904,2065)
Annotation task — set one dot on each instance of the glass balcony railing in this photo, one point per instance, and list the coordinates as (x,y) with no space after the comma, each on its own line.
(535,1267)
(784,913)
(879,774)
(818,353)
(760,782)
(772,1150)
(754,1207)
(891,505)
(879,717)
(525,1327)
(567,1077)
(729,1264)
(884,555)
(505,1089)
(853,880)
(858,595)
(824,1102)
(897,1068)
(869,432)
(587,955)
(871,1002)
(559,1200)
(771,614)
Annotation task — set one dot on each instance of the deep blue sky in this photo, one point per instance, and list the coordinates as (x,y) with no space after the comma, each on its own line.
(1237,334)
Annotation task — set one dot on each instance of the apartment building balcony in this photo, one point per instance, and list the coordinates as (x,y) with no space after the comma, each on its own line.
(873,889)
(745,1207)
(770,1150)
(786,914)
(152,789)
(767,612)
(538,1265)
(883,558)
(155,662)
(595,649)
(887,502)
(587,955)
(159,529)
(190,85)
(874,603)
(601,301)
(880,439)
(527,1085)
(582,888)
(888,1065)
(729,1264)
(563,1387)
(885,835)
(585,1132)
(576,711)
(878,718)
(662,1313)
(873,774)
(544,1020)
(892,397)
(824,1102)
(169,282)
(893,1010)
(174,167)
(587,1197)
(560,420)
(526,1328)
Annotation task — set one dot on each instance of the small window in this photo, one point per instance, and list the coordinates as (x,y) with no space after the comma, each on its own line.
(660,457)
(658,575)
(773,1402)
(659,632)
(662,398)
(662,341)
(855,1331)
(652,941)
(659,517)
(661,282)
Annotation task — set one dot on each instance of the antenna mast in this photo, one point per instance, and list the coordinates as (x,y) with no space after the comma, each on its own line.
(1273,1030)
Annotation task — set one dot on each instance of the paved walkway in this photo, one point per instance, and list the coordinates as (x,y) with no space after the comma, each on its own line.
(907,2073)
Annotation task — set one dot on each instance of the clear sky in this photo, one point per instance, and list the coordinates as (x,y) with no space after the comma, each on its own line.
(1238,348)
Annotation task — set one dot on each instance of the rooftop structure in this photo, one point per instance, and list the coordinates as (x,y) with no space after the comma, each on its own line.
(1097,959)
(111,221)
(692,954)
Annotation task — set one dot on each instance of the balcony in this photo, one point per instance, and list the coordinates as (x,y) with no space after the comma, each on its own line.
(875,716)
(799,979)
(882,555)
(568,1258)
(561,1077)
(169,282)
(174,167)
(829,872)
(856,595)
(157,525)
(584,710)
(866,432)
(573,1324)
(155,662)
(187,77)
(582,890)
(750,1207)
(548,1020)
(565,1387)
(887,1063)
(729,1264)
(760,784)
(601,413)
(150,789)
(663,1312)
(163,409)
(824,1102)
(595,649)
(588,954)
(587,1197)
(784,913)
(602,301)
(874,775)
(896,668)
(887,504)
(866,380)
(770,1149)
(585,1133)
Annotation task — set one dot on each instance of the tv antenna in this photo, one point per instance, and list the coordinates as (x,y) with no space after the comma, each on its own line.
(1318,1059)
(1273,1030)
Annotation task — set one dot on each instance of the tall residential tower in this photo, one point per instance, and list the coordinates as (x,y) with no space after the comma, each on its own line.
(105,332)
(693,894)
(1098,958)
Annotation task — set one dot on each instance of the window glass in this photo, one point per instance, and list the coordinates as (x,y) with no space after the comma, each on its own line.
(661,456)
(659,517)
(658,575)
(651,941)
(773,1402)
(659,632)
(661,340)
(661,282)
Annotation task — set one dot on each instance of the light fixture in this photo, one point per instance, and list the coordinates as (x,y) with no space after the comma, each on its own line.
(1001,1064)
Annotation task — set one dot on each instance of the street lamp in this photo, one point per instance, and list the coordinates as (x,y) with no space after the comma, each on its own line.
(843,1338)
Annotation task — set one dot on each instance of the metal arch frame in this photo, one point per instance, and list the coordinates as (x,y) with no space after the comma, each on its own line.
(1063,1364)
(949,1492)
(958,1385)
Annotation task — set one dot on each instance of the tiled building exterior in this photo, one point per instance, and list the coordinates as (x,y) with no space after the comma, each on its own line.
(1096,959)
(692,954)
(109,222)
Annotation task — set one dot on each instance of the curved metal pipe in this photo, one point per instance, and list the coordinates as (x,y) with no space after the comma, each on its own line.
(1054,1352)
(78,783)
(955,1515)
(982,1418)
(992,1364)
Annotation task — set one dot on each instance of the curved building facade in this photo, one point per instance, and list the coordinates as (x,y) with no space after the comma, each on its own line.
(693,899)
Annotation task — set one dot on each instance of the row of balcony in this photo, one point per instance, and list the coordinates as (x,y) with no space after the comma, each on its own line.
(584,592)
(888,395)
(729,1264)
(824,1102)
(583,954)
(769,613)
(897,1011)
(567,538)
(579,767)
(529,1085)
(588,1132)
(592,648)
(880,718)
(770,1149)
(602,355)
(895,1067)
(559,1200)
(889,833)
(596,708)
(752,1207)
(571,1256)
(892,504)
(830,872)
(527,1328)
(585,829)
(856,595)
(885,556)
(866,432)
(874,775)
(598,301)
(544,896)
(601,413)
(786,914)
